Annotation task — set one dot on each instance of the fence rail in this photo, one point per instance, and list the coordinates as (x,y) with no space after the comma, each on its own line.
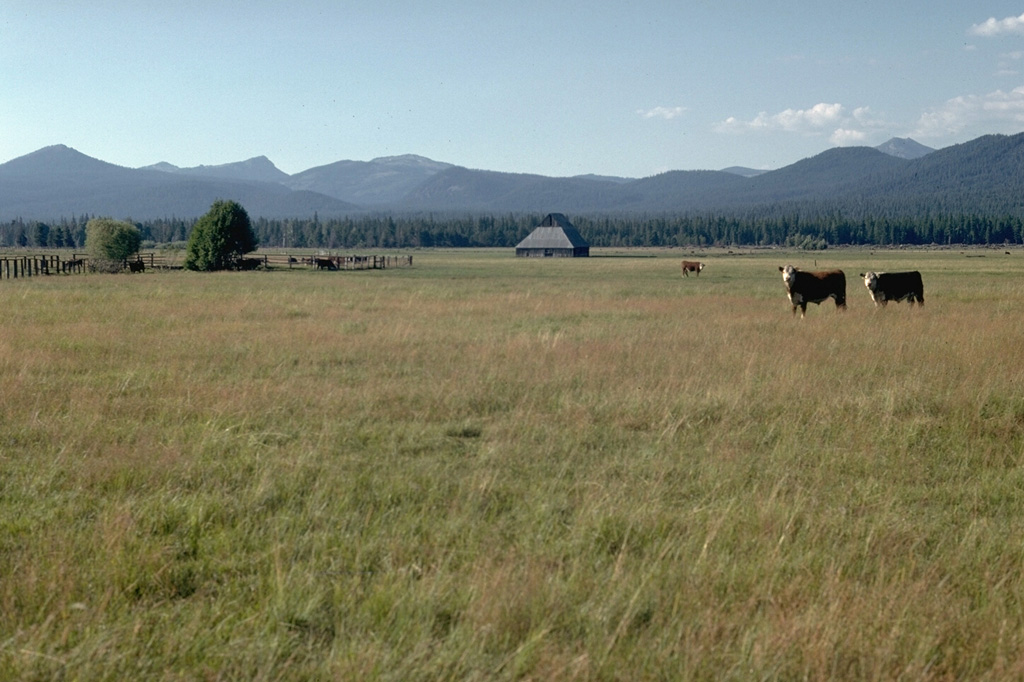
(13,267)
(333,262)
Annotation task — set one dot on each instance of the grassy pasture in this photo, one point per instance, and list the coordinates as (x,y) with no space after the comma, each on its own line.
(486,468)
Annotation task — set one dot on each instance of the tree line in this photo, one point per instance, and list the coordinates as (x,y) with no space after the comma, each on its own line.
(218,241)
(764,227)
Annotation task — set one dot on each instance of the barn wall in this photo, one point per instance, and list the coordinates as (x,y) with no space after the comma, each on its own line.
(553,253)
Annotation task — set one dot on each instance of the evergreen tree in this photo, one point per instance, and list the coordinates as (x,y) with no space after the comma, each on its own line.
(41,235)
(220,238)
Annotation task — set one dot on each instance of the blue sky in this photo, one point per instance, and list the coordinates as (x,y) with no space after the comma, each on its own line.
(556,88)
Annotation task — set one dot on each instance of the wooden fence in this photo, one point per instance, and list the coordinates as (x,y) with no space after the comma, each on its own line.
(13,267)
(330,262)
(269,261)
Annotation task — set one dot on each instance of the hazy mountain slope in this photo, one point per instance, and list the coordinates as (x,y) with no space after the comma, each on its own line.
(462,188)
(687,190)
(574,194)
(983,175)
(256,169)
(385,180)
(459,188)
(831,173)
(59,181)
(744,171)
(603,178)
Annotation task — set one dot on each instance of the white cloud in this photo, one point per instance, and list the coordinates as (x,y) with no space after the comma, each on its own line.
(994,27)
(967,111)
(818,116)
(666,113)
(864,117)
(814,121)
(844,137)
(811,120)
(843,127)
(1008,64)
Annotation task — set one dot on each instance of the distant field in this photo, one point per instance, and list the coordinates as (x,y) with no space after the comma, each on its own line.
(484,467)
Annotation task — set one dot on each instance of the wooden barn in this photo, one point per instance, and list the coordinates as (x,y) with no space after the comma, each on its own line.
(555,237)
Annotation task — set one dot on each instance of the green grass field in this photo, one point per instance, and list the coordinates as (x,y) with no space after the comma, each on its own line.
(489,468)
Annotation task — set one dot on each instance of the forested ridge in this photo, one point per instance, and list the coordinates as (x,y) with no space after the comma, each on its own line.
(764,227)
(844,194)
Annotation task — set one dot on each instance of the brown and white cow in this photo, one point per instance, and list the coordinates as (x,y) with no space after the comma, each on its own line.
(692,266)
(894,286)
(813,286)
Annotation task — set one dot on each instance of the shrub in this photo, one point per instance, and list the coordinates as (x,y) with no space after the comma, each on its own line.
(111,242)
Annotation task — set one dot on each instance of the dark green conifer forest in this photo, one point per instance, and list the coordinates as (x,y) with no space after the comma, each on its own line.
(809,229)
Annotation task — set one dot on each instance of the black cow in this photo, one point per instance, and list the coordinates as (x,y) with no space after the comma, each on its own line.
(325,264)
(807,286)
(248,263)
(894,286)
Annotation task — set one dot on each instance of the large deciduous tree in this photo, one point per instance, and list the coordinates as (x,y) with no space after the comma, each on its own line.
(220,238)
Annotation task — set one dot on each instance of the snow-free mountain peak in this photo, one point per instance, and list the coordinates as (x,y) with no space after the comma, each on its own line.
(744,171)
(411,161)
(256,169)
(904,148)
(58,159)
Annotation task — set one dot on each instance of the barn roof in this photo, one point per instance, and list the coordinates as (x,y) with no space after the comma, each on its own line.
(554,232)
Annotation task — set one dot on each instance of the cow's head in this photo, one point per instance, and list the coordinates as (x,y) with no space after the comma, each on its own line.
(870,280)
(788,275)
(700,266)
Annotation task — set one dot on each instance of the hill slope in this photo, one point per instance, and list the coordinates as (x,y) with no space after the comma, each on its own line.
(382,181)
(59,181)
(980,176)
(256,169)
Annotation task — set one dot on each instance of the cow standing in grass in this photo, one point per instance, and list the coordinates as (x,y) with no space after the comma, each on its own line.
(325,264)
(692,266)
(813,286)
(894,286)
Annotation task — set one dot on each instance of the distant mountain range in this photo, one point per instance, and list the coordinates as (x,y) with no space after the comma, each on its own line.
(983,175)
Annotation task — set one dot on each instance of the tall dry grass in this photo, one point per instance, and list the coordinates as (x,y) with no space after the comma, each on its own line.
(490,468)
